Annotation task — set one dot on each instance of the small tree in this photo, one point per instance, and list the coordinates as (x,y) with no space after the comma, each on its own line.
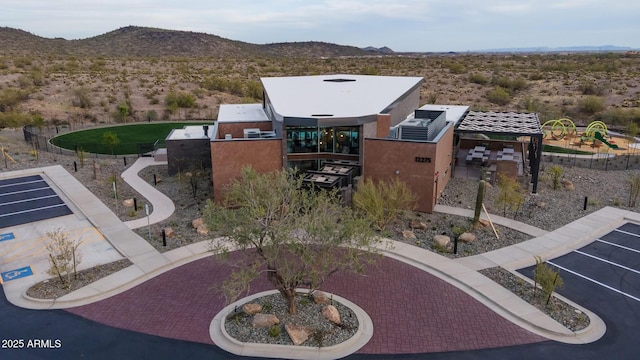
(548,279)
(556,174)
(110,139)
(510,195)
(383,201)
(63,256)
(293,235)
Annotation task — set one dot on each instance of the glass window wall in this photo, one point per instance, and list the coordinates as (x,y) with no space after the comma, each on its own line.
(340,140)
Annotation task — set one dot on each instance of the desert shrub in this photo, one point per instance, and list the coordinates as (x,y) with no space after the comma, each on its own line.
(478,78)
(180,99)
(590,88)
(556,172)
(383,202)
(510,195)
(590,105)
(634,181)
(82,97)
(11,97)
(513,85)
(499,96)
(547,278)
(456,68)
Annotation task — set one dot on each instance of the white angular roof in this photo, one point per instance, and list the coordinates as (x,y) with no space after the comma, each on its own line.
(336,96)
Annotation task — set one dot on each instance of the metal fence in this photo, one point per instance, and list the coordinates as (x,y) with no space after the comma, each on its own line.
(43,143)
(596,161)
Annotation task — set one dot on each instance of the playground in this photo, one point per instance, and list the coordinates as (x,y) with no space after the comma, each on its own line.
(595,138)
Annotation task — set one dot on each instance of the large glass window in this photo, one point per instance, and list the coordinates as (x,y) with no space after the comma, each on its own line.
(340,140)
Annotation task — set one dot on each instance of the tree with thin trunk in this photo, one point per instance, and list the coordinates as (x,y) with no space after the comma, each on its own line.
(110,139)
(294,235)
(64,256)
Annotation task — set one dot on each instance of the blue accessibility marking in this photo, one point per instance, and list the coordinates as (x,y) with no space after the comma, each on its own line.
(17,273)
(7,236)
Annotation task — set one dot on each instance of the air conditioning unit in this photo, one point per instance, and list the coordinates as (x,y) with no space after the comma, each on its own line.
(251,133)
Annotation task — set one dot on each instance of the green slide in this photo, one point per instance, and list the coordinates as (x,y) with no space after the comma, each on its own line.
(599,136)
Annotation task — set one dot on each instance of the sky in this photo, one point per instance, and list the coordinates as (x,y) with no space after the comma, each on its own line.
(402,25)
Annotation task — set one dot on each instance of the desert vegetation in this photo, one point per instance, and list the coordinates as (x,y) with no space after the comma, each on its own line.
(92,87)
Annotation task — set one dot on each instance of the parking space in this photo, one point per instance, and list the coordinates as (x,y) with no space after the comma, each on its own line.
(27,199)
(610,262)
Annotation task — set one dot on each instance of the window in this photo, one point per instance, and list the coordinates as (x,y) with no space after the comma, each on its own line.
(339,140)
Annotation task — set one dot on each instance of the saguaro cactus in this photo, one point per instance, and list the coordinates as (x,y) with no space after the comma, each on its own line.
(479,200)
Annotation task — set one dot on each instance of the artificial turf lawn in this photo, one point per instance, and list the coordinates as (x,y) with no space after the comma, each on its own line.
(130,136)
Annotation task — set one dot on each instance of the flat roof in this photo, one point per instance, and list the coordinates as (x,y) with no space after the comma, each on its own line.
(336,96)
(190,132)
(453,113)
(241,113)
(508,123)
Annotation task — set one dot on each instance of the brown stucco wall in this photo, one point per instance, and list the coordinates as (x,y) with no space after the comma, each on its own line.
(236,128)
(228,157)
(386,159)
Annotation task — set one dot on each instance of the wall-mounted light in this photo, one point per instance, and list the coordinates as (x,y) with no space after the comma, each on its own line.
(397,172)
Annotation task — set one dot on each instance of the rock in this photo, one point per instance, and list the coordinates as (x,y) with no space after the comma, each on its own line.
(202,230)
(252,309)
(197,223)
(466,237)
(128,203)
(415,224)
(568,184)
(188,174)
(320,298)
(484,222)
(541,204)
(331,313)
(442,240)
(408,234)
(297,333)
(264,320)
(168,232)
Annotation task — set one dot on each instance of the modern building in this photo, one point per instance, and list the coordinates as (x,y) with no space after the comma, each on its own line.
(336,128)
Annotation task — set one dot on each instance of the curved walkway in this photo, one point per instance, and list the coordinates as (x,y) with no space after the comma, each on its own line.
(418,267)
(163,207)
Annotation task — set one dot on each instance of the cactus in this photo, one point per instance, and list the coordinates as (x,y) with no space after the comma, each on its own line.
(479,200)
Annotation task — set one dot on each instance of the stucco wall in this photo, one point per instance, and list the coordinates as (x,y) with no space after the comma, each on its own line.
(228,157)
(386,159)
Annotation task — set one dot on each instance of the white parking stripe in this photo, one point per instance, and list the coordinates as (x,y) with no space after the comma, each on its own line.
(626,232)
(617,245)
(607,261)
(24,191)
(594,281)
(30,199)
(22,183)
(32,210)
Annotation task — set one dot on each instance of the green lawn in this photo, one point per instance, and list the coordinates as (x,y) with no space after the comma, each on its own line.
(131,137)
(562,150)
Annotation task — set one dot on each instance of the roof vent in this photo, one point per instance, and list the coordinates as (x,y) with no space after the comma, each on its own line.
(321,115)
(339,80)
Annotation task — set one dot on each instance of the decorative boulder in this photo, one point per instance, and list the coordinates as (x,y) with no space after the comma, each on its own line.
(442,240)
(484,222)
(297,333)
(568,184)
(331,313)
(197,223)
(169,232)
(202,230)
(252,309)
(466,237)
(415,224)
(320,298)
(264,320)
(128,203)
(408,234)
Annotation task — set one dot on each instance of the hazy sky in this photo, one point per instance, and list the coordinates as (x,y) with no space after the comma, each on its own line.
(403,25)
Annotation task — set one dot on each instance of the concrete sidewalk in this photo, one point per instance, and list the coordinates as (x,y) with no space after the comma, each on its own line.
(163,207)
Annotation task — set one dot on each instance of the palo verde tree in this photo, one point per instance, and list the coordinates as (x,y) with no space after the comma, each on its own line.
(294,235)
(63,256)
(110,139)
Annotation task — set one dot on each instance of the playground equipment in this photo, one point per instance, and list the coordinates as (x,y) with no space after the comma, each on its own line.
(558,128)
(597,131)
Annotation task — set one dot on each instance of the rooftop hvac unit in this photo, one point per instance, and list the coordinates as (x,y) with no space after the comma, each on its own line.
(251,133)
(267,134)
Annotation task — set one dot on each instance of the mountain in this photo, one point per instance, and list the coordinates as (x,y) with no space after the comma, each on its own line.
(602,48)
(134,41)
(383,50)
